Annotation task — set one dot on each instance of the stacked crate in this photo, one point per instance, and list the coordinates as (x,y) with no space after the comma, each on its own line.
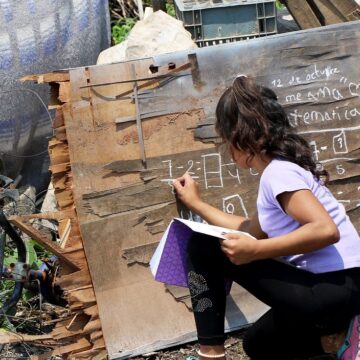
(213,22)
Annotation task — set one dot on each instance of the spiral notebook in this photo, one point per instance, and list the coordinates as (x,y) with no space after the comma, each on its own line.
(168,264)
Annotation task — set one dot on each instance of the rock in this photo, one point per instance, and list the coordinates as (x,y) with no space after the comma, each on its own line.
(157,33)
(113,54)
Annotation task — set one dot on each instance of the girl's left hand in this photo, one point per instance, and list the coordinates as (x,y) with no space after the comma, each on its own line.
(239,248)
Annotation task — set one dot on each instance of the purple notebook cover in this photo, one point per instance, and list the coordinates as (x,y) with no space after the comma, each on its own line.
(172,268)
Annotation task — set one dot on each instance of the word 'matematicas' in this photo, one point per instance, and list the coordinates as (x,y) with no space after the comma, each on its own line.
(298,118)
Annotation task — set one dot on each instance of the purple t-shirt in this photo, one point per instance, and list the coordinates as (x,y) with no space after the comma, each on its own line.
(283,176)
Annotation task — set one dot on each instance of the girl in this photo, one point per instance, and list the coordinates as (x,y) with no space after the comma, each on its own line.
(314,291)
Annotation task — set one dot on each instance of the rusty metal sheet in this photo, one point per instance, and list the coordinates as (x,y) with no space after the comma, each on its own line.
(123,206)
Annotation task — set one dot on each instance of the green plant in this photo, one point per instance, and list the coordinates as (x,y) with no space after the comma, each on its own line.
(279,5)
(6,325)
(121,29)
(170,9)
(34,254)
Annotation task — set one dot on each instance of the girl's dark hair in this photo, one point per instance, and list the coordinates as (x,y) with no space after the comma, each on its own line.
(249,118)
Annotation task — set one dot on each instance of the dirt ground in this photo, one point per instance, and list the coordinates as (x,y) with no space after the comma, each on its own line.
(27,320)
(233,345)
(234,350)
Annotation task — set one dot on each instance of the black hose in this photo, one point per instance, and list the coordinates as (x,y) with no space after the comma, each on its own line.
(2,252)
(12,301)
(21,250)
(15,237)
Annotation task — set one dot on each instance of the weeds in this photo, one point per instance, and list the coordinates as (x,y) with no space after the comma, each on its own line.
(170,9)
(121,29)
(122,25)
(279,5)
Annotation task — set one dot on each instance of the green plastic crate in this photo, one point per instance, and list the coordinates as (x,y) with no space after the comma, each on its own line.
(219,21)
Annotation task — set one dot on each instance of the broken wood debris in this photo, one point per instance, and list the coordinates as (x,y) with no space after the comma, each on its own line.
(52,77)
(43,240)
(71,336)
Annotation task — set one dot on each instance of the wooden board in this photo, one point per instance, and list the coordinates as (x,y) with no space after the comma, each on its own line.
(315,13)
(123,207)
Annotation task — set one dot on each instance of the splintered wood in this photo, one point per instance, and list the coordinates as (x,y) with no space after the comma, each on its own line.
(118,178)
(76,333)
(80,335)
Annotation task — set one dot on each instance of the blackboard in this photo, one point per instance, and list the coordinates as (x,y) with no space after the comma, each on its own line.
(123,190)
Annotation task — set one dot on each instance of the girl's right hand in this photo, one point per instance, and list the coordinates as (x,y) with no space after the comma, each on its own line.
(187,190)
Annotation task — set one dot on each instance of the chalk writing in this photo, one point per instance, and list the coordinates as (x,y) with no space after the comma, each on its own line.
(295,80)
(293,98)
(324,85)
(253,172)
(190,166)
(313,73)
(338,159)
(277,83)
(169,162)
(315,150)
(325,92)
(233,171)
(343,80)
(339,143)
(299,117)
(350,128)
(212,172)
(354,89)
(340,170)
(301,91)
(212,168)
(327,72)
(234,204)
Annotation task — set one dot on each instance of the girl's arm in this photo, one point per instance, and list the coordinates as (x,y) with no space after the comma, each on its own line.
(317,231)
(187,190)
